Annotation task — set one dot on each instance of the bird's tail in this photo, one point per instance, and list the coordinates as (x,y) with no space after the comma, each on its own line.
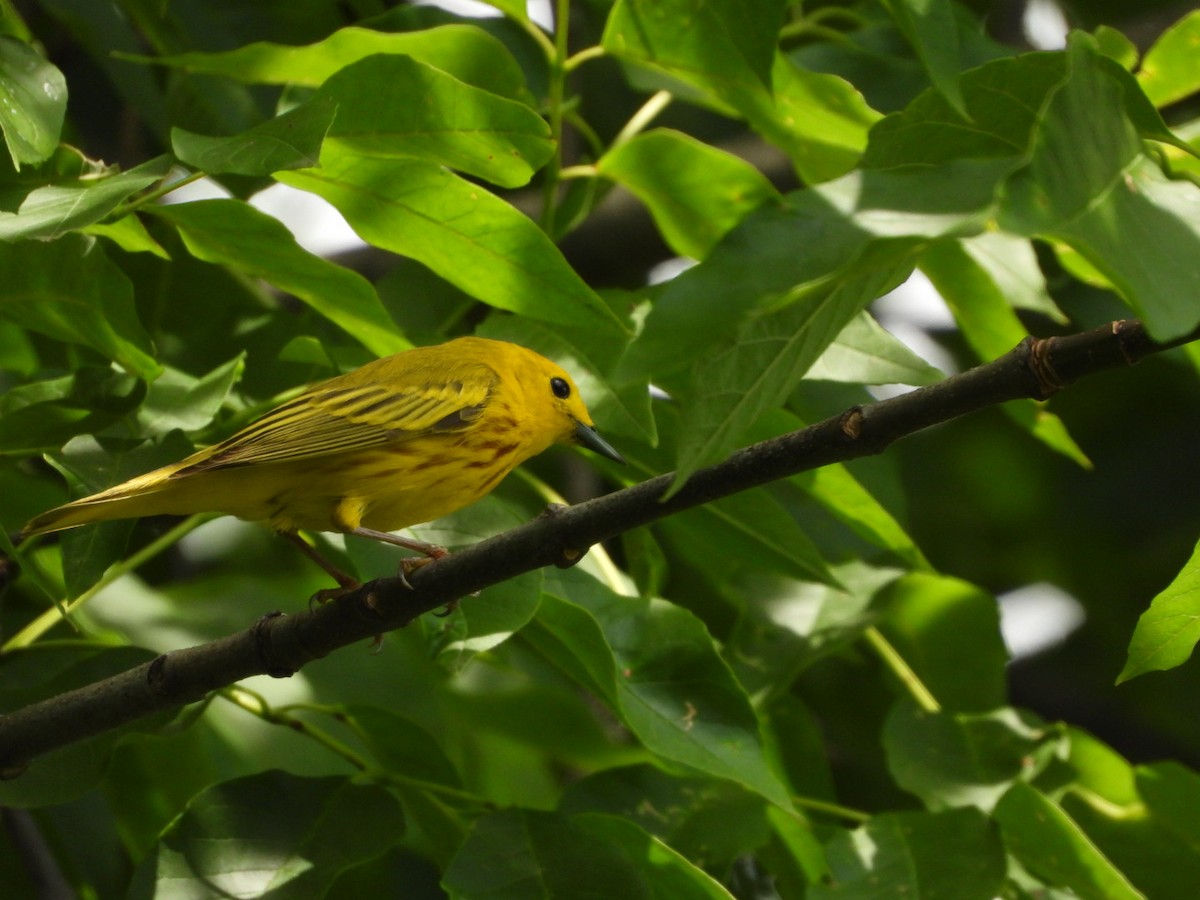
(140,496)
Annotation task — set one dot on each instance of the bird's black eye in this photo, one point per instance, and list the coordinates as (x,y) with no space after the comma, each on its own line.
(561,389)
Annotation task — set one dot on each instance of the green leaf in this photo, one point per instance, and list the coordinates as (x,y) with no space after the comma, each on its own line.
(1167,632)
(402,746)
(33,102)
(1116,46)
(1172,795)
(1004,100)
(464,51)
(695,192)
(794,624)
(710,822)
(1111,203)
(666,872)
(514,9)
(820,120)
(177,400)
(1168,72)
(53,210)
(477,625)
(728,60)
(930,26)
(522,854)
(949,632)
(951,760)
(1053,847)
(1151,838)
(43,415)
(129,234)
(744,533)
(290,141)
(767,358)
(1012,265)
(271,834)
(656,665)
(70,290)
(844,496)
(864,352)
(945,854)
(466,235)
(233,233)
(720,43)
(509,606)
(990,326)
(840,226)
(455,124)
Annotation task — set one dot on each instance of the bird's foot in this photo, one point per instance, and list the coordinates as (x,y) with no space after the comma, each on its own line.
(410,564)
(323,596)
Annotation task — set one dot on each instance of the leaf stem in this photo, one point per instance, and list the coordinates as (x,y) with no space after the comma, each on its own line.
(51,617)
(643,117)
(257,705)
(583,56)
(832,809)
(577,172)
(557,91)
(126,208)
(902,670)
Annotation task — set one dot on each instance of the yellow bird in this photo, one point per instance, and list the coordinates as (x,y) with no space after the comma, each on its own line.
(400,441)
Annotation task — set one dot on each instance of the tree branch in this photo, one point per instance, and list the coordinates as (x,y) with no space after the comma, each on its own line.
(280,645)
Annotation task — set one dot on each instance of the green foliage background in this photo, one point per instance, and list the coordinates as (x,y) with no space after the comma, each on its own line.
(797,692)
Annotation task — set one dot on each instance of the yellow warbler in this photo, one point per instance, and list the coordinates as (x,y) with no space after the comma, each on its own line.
(399,441)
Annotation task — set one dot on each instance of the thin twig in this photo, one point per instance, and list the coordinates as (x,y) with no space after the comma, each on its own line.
(279,645)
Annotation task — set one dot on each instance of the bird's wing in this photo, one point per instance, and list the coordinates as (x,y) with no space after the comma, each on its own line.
(342,415)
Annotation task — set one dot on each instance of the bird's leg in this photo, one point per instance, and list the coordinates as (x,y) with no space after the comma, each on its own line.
(346,582)
(409,564)
(433,551)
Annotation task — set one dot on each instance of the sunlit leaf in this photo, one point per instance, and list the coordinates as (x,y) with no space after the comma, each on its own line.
(949,632)
(455,124)
(951,854)
(1167,632)
(930,26)
(951,760)
(33,102)
(271,833)
(236,234)
(53,210)
(1168,72)
(465,234)
(720,43)
(179,401)
(767,359)
(865,353)
(655,663)
(1112,203)
(1052,846)
(464,51)
(985,314)
(290,141)
(695,192)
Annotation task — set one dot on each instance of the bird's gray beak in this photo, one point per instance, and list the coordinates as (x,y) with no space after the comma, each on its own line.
(590,438)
